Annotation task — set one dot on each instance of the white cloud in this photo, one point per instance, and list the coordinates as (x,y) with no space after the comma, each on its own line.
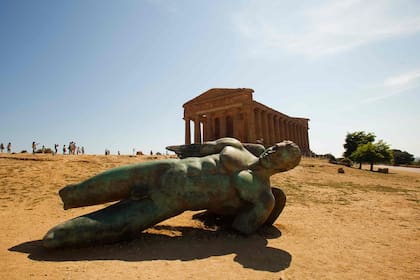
(333,27)
(402,80)
(393,86)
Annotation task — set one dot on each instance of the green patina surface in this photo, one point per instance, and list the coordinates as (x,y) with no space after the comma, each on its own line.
(224,177)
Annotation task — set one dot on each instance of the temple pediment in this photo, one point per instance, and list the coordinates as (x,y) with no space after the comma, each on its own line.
(220,93)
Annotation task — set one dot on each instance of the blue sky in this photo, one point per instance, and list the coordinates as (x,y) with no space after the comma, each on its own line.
(115,74)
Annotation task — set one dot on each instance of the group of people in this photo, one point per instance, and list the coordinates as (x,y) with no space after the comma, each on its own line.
(9,147)
(71,149)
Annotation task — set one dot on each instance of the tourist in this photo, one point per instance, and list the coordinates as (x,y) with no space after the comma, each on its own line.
(9,147)
(2,147)
(64,149)
(71,148)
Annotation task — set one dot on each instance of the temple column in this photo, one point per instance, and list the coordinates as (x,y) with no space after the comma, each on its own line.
(270,129)
(212,127)
(281,129)
(297,135)
(273,120)
(303,138)
(294,133)
(264,125)
(300,137)
(187,131)
(306,140)
(276,129)
(258,131)
(289,130)
(238,126)
(197,131)
(222,126)
(216,125)
(206,129)
(286,129)
(308,147)
(246,127)
(249,121)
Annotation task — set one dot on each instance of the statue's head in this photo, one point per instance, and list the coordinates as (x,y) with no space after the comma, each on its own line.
(281,157)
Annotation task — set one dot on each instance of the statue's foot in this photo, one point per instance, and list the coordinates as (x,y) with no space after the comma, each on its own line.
(120,221)
(280,198)
(81,232)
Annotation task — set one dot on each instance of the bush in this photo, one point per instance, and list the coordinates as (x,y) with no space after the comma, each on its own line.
(331,158)
(46,151)
(346,161)
(402,157)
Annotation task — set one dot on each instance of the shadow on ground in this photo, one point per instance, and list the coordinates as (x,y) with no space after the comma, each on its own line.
(188,244)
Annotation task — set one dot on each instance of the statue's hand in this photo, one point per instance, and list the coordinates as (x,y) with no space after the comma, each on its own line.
(255,149)
(204,149)
(184,151)
(241,224)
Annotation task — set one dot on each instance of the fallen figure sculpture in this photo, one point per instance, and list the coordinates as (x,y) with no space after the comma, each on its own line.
(224,177)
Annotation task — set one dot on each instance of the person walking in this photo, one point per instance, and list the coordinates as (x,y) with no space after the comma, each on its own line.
(33,147)
(9,147)
(2,147)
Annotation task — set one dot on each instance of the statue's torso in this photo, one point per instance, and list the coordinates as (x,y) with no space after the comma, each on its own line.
(210,182)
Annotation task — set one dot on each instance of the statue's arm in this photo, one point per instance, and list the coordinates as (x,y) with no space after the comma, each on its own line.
(255,149)
(204,149)
(260,203)
(249,220)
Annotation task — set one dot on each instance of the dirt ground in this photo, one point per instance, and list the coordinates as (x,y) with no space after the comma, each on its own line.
(356,225)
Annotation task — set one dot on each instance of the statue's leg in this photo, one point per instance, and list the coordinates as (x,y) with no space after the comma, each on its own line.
(123,220)
(113,185)
(280,198)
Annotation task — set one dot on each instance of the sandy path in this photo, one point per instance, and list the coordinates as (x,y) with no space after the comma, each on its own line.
(400,168)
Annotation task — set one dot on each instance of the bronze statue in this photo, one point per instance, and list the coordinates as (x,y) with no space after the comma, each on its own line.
(224,177)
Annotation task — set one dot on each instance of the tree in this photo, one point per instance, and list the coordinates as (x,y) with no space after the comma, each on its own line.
(372,153)
(401,157)
(354,140)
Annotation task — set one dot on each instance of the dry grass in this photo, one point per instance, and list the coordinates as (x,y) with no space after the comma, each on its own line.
(317,181)
(335,226)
